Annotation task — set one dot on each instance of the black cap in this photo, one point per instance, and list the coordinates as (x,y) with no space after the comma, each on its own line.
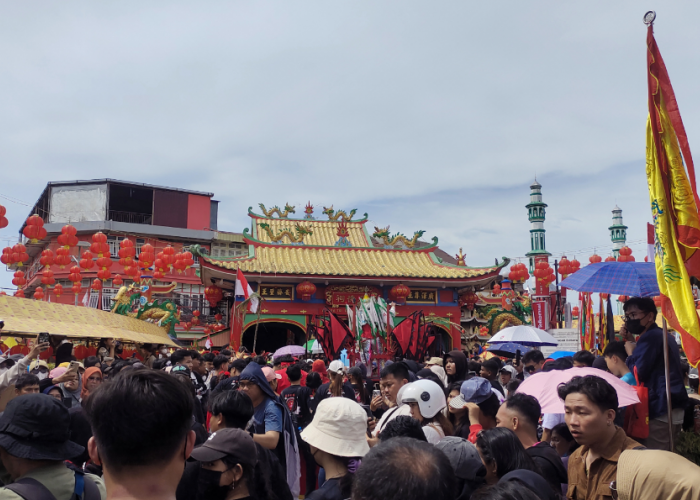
(37,427)
(234,443)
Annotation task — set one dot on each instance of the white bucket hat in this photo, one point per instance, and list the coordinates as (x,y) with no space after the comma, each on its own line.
(338,428)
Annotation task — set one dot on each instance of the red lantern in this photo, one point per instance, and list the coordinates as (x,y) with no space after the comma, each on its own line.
(86,263)
(604,296)
(34,229)
(168,256)
(158,275)
(610,259)
(623,298)
(47,277)
(213,294)
(74,275)
(496,290)
(594,259)
(46,258)
(96,285)
(146,257)
(218,317)
(19,254)
(575,265)
(469,299)
(400,292)
(104,274)
(39,293)
(575,312)
(187,259)
(564,267)
(68,238)
(76,288)
(179,263)
(62,258)
(80,352)
(625,255)
(99,244)
(6,257)
(58,290)
(306,290)
(117,280)
(19,280)
(483,331)
(20,293)
(3,219)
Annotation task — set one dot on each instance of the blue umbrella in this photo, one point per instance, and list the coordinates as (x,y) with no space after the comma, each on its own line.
(507,350)
(636,279)
(561,354)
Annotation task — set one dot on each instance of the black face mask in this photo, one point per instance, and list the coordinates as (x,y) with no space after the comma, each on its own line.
(208,485)
(634,326)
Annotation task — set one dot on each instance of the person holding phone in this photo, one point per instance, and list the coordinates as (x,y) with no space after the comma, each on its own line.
(10,376)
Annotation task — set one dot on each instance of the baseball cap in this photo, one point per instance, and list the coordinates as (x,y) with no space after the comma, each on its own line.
(462,454)
(434,361)
(235,443)
(38,363)
(475,390)
(270,374)
(336,366)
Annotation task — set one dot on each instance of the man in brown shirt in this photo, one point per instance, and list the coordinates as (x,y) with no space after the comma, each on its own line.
(590,404)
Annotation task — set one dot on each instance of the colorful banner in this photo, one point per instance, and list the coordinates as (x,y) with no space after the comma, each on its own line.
(674,205)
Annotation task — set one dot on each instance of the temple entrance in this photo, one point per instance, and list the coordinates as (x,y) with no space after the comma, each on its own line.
(272,336)
(442,343)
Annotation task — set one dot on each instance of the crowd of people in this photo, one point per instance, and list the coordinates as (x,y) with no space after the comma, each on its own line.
(182,424)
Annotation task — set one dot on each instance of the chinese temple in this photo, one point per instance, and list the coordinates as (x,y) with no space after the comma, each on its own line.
(303,267)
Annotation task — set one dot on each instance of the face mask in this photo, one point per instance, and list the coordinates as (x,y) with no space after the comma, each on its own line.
(41,376)
(634,326)
(208,485)
(164,352)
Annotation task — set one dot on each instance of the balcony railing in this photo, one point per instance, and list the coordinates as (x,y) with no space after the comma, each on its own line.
(130,217)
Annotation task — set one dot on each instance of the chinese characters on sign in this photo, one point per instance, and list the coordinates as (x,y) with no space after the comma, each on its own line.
(277,292)
(422,296)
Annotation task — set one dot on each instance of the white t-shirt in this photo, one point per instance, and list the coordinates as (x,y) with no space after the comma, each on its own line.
(550,420)
(433,432)
(389,415)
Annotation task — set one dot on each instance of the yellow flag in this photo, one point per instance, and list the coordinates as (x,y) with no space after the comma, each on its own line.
(673,205)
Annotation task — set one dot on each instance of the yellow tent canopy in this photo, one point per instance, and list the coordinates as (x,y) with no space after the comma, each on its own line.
(27,318)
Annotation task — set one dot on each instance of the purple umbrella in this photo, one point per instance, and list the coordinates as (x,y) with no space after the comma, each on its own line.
(289,350)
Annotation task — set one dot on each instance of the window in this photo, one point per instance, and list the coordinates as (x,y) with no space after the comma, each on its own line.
(221,249)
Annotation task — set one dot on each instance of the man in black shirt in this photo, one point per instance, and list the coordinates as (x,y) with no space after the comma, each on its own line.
(520,413)
(297,397)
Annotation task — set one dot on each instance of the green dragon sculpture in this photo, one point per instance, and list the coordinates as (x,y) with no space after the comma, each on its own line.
(288,209)
(340,214)
(301,232)
(391,241)
(162,313)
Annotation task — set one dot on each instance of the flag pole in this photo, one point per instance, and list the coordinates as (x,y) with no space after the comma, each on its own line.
(669,410)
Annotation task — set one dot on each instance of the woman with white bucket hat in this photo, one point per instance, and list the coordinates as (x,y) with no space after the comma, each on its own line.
(337,440)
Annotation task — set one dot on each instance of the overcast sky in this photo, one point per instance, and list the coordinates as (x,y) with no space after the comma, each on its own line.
(426,115)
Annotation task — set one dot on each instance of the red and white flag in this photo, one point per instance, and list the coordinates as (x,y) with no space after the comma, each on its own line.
(243,289)
(650,243)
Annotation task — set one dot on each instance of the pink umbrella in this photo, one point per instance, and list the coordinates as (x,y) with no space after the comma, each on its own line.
(543,386)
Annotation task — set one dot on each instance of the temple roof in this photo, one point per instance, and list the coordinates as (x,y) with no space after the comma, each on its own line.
(333,261)
(279,245)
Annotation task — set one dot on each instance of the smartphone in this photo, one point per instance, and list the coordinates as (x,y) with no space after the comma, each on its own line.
(73,367)
(376,393)
(517,357)
(43,338)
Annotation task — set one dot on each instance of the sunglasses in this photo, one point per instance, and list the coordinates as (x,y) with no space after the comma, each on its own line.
(530,368)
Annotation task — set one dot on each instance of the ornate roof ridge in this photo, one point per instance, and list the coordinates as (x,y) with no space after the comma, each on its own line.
(250,239)
(255,215)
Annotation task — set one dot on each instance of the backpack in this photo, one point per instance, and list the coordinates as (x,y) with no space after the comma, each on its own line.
(31,489)
(637,416)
